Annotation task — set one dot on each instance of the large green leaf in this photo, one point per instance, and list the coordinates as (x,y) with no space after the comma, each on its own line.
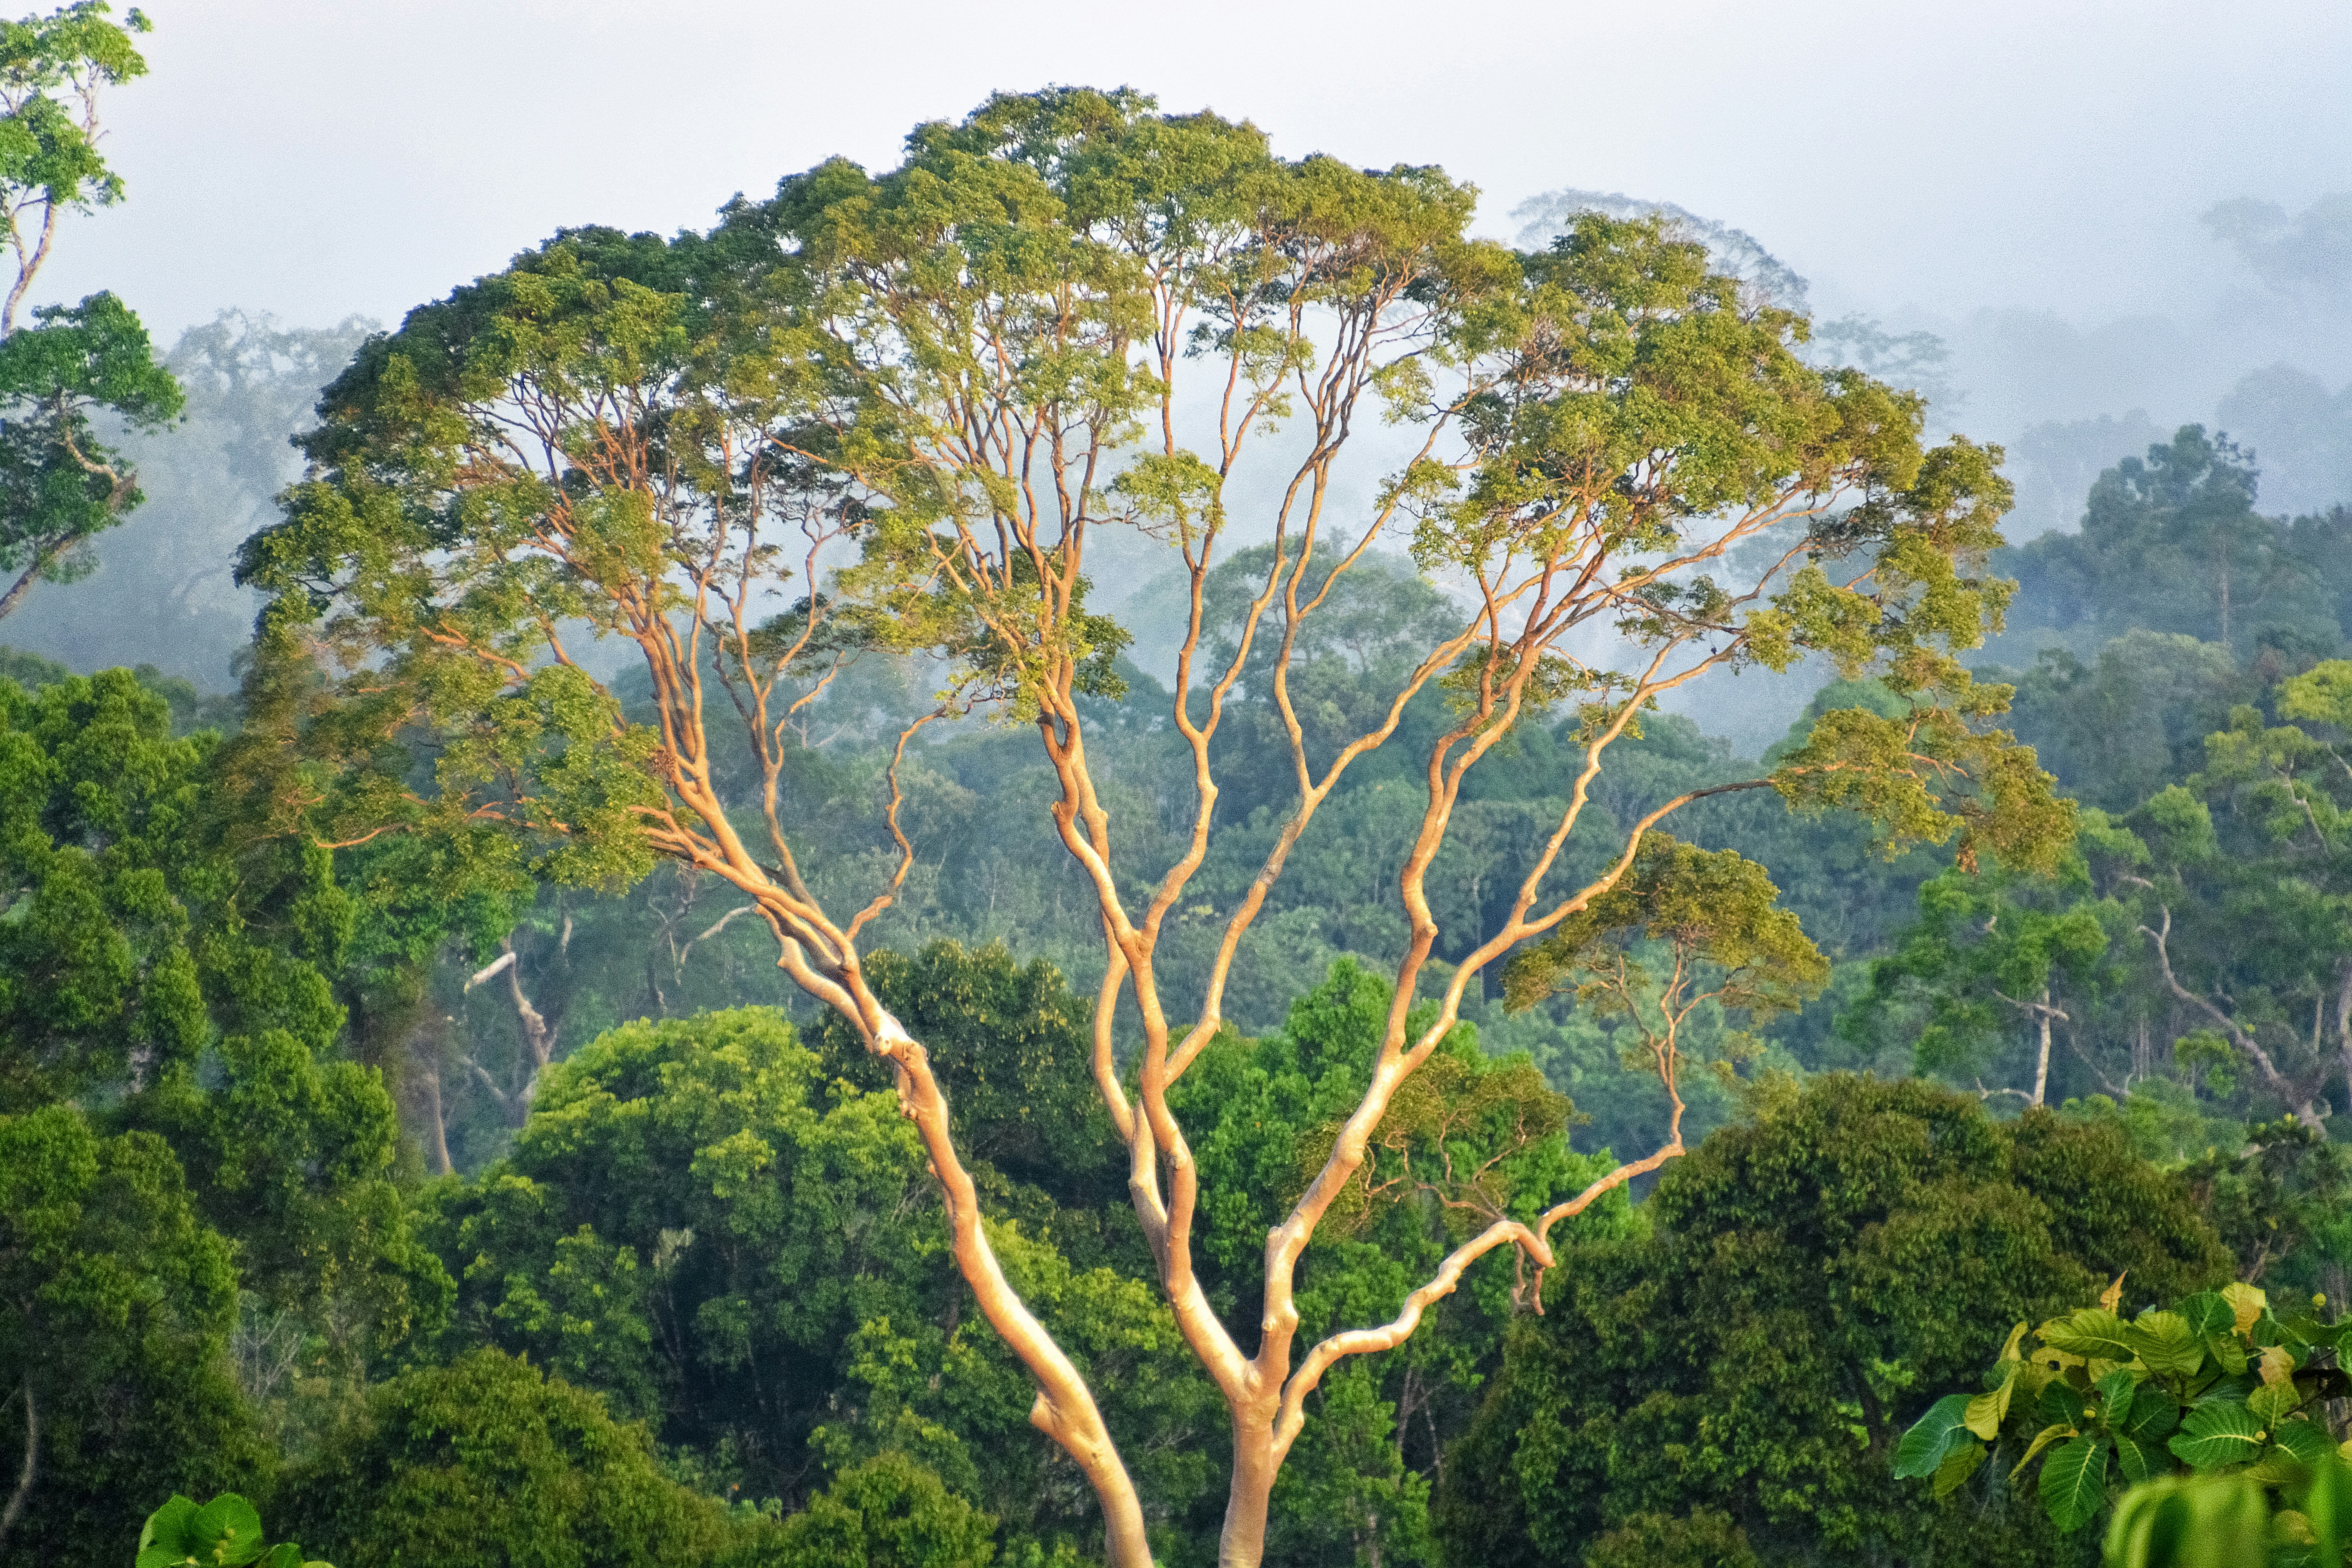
(2271,1401)
(2308,1440)
(2209,1312)
(2061,1403)
(1921,1451)
(2139,1461)
(2074,1481)
(2116,1392)
(2089,1333)
(2164,1340)
(1958,1466)
(2154,1414)
(226,1531)
(2311,1331)
(2199,1521)
(163,1540)
(2223,1432)
(2327,1505)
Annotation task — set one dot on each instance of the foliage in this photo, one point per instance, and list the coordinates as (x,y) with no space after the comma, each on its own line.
(2171,543)
(1992,955)
(1736,1378)
(487,1460)
(886,1512)
(116,1302)
(224,1533)
(1009,1043)
(2216,1382)
(130,975)
(2212,1520)
(59,484)
(696,1224)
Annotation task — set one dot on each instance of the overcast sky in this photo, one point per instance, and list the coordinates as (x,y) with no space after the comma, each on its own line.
(315,158)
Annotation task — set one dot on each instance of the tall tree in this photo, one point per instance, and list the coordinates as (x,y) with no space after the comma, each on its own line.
(59,484)
(968,368)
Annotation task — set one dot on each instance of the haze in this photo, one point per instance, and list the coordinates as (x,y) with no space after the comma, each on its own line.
(2030,183)
(313,160)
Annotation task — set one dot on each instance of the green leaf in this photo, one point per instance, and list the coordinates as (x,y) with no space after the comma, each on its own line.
(2308,1440)
(226,1532)
(2154,1414)
(2327,1505)
(2074,1481)
(2223,1432)
(2042,1440)
(2163,1340)
(2061,1403)
(2209,1312)
(2312,1331)
(1958,1466)
(1921,1451)
(164,1539)
(285,1554)
(2087,1333)
(2272,1401)
(2200,1521)
(2227,1352)
(2138,1461)
(1986,1412)
(2115,1391)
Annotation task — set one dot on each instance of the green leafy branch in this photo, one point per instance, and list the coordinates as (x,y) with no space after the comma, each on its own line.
(2215,1385)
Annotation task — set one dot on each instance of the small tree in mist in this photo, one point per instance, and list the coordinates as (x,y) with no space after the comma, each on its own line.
(59,484)
(956,375)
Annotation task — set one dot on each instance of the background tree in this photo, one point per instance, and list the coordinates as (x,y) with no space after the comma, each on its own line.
(1732,1385)
(206,1108)
(486,1461)
(695,1225)
(969,366)
(58,485)
(116,1302)
(2171,543)
(1991,953)
(164,590)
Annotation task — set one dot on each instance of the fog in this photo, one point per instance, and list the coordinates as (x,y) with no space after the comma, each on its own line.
(2107,220)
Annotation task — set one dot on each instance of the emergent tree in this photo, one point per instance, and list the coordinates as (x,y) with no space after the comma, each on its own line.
(967,371)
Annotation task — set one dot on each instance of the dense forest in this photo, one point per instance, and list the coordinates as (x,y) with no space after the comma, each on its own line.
(1034,860)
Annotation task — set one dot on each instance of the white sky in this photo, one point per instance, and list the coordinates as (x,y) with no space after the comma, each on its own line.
(315,158)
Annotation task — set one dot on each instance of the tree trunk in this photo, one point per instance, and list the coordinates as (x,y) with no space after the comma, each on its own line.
(2344,1028)
(1066,1409)
(437,1131)
(32,1458)
(1242,1544)
(2042,1062)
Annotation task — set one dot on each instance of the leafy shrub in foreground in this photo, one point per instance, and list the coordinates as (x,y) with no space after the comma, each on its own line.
(2214,1385)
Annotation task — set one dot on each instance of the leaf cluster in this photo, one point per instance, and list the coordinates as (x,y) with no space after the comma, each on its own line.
(2215,1383)
(224,1533)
